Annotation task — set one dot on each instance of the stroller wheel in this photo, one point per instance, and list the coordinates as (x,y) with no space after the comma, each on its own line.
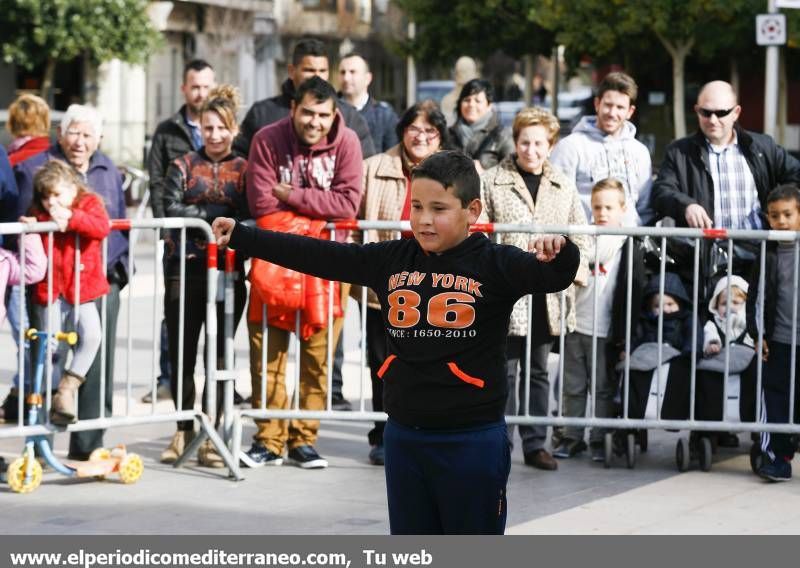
(643,441)
(630,450)
(705,453)
(756,457)
(17,479)
(608,449)
(682,454)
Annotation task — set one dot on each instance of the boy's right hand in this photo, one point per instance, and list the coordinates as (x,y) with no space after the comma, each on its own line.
(547,247)
(222,228)
(764,350)
(713,349)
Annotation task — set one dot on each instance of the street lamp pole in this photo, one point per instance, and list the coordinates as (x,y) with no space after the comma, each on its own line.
(771,82)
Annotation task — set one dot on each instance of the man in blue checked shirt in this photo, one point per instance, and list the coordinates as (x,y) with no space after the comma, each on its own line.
(720,176)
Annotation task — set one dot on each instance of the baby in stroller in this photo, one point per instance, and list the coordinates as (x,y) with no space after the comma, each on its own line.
(726,329)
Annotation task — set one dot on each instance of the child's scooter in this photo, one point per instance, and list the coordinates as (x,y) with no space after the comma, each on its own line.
(25,473)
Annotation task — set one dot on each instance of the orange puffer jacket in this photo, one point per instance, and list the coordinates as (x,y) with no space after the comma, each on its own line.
(285,291)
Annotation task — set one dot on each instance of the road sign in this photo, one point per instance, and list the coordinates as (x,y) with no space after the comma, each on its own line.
(770,29)
(787,3)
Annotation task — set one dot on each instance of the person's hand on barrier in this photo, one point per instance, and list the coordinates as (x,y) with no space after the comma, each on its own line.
(547,247)
(222,228)
(62,220)
(60,215)
(697,218)
(27,220)
(712,349)
(764,350)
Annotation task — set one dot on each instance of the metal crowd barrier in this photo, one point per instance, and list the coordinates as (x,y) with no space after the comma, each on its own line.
(229,442)
(696,238)
(127,417)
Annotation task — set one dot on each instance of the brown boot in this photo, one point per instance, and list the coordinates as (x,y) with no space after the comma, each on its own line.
(208,456)
(62,411)
(177,446)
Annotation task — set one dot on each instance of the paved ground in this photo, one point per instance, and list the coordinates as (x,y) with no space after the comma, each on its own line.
(349,497)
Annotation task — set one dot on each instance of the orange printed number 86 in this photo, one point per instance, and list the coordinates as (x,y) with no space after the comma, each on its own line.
(448,309)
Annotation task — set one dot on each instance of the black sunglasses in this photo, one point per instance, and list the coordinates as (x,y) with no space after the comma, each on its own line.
(705,113)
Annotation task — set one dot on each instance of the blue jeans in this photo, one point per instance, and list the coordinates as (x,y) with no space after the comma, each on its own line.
(12,312)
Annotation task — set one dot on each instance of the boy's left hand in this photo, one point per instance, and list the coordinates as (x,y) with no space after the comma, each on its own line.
(547,247)
(222,228)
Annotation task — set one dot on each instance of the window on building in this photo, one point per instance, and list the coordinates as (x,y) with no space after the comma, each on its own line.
(322,5)
(365,11)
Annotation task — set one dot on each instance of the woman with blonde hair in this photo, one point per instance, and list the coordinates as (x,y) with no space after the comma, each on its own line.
(525,188)
(205,184)
(29,124)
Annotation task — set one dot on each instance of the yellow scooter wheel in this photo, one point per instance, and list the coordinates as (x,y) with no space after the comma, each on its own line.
(16,476)
(131,468)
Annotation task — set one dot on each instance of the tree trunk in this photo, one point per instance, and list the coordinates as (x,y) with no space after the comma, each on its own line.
(735,77)
(678,95)
(678,52)
(47,81)
(528,94)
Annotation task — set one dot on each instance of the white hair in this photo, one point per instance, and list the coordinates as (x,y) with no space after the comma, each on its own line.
(82,113)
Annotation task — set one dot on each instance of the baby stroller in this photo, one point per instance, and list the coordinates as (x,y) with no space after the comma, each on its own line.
(701,445)
(649,389)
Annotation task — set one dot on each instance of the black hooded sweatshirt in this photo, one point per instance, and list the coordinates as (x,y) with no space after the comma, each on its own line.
(446,315)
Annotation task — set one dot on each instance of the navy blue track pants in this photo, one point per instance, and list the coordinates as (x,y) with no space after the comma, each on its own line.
(776,387)
(447,481)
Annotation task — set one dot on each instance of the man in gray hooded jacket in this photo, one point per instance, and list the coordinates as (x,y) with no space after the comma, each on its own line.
(605,146)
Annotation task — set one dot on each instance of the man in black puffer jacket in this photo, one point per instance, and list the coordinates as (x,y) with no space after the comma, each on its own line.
(309,59)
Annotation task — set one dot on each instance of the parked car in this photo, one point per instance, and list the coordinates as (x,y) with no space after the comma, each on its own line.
(507,111)
(572,106)
(435,90)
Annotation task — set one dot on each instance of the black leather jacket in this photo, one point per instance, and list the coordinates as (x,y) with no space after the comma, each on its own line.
(684,177)
(171,140)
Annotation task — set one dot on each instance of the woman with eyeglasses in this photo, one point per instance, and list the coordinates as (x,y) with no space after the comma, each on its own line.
(477,131)
(422,130)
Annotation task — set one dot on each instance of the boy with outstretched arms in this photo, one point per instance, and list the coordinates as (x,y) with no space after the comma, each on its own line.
(446,297)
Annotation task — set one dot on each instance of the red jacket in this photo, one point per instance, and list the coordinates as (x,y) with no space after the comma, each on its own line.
(30,148)
(90,222)
(285,291)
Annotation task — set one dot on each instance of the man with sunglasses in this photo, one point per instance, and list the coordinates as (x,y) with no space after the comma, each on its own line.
(720,176)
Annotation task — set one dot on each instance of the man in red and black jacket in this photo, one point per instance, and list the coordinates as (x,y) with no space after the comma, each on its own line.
(310,164)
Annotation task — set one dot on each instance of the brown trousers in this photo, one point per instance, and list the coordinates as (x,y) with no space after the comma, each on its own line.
(274,434)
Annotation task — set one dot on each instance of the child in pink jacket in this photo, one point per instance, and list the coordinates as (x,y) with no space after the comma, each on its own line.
(11,272)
